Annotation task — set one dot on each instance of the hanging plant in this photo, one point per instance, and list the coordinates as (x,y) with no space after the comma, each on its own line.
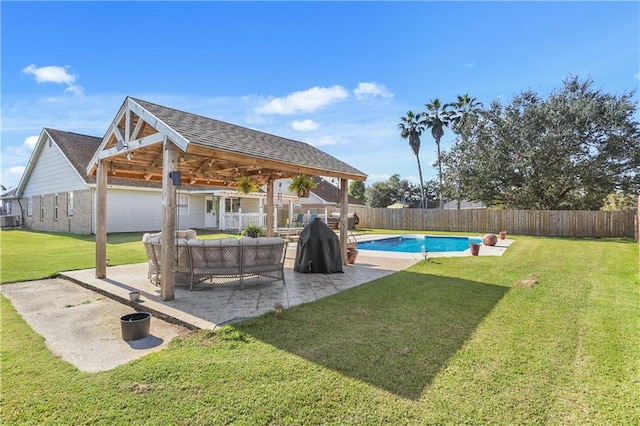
(300,184)
(246,184)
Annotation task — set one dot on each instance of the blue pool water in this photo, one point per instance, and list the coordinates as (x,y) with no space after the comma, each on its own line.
(414,244)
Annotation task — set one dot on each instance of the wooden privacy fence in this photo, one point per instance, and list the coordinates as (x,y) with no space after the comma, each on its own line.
(565,223)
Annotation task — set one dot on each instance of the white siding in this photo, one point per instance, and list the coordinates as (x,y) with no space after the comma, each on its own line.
(195,218)
(53,173)
(133,211)
(141,211)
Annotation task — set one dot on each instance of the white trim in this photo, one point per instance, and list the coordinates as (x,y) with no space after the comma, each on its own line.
(128,106)
(35,156)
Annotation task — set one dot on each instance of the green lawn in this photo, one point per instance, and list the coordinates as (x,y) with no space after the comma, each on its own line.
(35,255)
(448,341)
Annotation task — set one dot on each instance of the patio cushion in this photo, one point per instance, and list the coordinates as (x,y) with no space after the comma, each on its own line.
(270,240)
(248,241)
(230,241)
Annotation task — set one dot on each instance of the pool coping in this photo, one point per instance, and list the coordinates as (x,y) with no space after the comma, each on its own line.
(497,250)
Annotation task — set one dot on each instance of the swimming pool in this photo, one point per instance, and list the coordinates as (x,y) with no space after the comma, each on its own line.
(416,243)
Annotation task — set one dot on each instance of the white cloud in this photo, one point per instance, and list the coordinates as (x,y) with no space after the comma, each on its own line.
(367,90)
(30,143)
(55,74)
(638,76)
(304,101)
(11,176)
(50,74)
(471,64)
(304,125)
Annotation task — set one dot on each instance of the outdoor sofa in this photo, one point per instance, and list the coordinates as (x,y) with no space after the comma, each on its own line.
(216,261)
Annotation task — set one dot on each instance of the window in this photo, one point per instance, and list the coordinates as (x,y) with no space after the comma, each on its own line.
(55,207)
(30,206)
(209,206)
(232,205)
(70,203)
(42,207)
(183,204)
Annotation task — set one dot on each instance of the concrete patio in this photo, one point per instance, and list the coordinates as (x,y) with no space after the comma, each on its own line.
(209,307)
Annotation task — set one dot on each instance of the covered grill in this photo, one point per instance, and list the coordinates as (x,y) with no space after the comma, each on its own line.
(318,250)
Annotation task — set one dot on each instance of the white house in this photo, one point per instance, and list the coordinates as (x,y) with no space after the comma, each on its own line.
(56,194)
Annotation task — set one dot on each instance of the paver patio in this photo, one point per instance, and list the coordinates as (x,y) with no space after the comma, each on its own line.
(208,307)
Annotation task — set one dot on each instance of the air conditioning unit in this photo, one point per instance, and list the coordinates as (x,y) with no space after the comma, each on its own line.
(9,221)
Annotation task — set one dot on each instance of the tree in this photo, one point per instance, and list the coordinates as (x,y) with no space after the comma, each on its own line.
(463,115)
(357,189)
(620,202)
(436,119)
(383,194)
(568,151)
(411,129)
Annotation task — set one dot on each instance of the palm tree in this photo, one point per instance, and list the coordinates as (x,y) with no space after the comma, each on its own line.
(410,128)
(461,114)
(464,108)
(436,118)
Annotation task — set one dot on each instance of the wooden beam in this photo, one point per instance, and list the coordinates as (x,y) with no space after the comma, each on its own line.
(157,124)
(269,223)
(137,128)
(146,141)
(136,144)
(127,127)
(344,220)
(168,250)
(118,135)
(101,220)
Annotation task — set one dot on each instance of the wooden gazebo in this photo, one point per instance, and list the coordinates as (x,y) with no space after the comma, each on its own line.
(151,142)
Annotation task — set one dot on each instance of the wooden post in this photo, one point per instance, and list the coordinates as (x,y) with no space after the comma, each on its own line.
(344,220)
(101,219)
(269,224)
(168,250)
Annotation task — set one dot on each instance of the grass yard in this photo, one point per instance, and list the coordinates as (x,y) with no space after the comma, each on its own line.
(469,340)
(28,255)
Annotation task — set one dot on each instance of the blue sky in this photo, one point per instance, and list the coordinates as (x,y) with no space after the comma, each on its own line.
(336,75)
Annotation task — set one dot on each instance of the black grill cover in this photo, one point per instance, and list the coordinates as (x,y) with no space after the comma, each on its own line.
(318,250)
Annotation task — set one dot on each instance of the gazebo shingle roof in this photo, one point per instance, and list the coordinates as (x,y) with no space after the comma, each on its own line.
(211,133)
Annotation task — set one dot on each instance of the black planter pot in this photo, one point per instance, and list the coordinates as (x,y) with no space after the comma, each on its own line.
(135,326)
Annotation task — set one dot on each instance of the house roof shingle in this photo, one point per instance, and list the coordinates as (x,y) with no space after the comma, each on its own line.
(331,193)
(78,149)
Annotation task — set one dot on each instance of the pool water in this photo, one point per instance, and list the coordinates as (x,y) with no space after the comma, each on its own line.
(415,244)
